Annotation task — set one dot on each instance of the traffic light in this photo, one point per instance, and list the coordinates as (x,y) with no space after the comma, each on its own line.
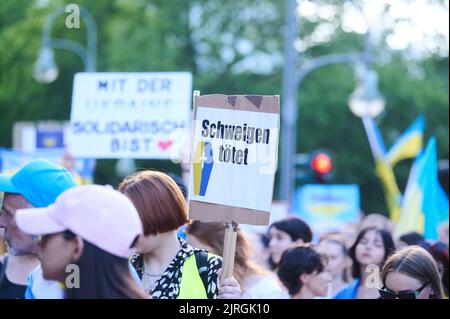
(321,163)
(314,167)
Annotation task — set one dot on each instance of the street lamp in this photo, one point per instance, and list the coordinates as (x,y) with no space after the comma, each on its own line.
(366,100)
(45,69)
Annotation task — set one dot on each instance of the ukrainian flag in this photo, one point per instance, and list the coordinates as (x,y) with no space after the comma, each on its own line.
(425,204)
(409,143)
(383,169)
(391,191)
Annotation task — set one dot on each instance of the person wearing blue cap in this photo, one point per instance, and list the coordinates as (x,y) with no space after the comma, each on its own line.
(36,184)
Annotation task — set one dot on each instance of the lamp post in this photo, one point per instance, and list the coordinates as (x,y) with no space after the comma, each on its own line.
(289,108)
(45,69)
(366,94)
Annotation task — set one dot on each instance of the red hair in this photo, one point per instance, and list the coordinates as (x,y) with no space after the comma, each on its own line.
(158,200)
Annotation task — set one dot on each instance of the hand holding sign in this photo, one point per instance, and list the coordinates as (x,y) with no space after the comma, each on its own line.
(229,288)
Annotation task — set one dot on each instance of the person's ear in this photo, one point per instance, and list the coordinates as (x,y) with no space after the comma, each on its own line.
(304,279)
(78,247)
(298,242)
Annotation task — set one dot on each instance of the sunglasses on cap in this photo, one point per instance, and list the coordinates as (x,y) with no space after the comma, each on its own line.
(411,294)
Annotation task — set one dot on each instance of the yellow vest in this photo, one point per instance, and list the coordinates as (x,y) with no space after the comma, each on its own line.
(191,284)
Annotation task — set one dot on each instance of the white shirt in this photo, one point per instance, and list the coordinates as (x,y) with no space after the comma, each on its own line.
(266,288)
(40,288)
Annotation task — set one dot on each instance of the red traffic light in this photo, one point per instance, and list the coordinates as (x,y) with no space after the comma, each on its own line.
(321,163)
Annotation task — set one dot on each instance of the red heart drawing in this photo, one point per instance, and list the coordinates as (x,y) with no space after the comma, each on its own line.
(165,144)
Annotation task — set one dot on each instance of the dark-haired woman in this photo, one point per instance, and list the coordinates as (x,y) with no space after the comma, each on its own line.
(284,234)
(369,252)
(302,271)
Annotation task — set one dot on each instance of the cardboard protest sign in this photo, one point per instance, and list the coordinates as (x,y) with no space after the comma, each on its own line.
(234,158)
(129,115)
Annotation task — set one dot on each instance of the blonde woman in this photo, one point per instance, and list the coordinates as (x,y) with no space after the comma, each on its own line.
(411,273)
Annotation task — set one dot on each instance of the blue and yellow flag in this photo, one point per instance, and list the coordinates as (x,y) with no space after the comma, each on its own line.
(425,204)
(383,169)
(392,193)
(409,144)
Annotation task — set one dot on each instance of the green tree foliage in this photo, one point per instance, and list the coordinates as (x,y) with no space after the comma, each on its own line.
(231,47)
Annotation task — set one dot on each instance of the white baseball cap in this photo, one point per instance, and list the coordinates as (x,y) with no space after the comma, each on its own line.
(100,215)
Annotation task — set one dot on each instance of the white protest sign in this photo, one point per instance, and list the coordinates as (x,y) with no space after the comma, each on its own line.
(129,115)
(234,158)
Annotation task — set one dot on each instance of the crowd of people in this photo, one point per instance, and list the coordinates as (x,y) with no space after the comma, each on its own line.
(137,242)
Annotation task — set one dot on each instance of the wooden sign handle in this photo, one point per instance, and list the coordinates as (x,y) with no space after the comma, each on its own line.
(229,248)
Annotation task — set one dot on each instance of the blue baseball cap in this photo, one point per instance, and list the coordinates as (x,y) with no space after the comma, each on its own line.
(39,181)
